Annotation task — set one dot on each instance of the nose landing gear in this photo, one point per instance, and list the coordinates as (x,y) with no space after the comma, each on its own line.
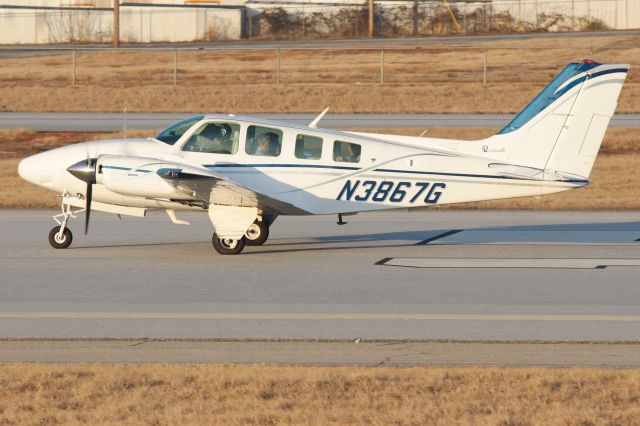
(60,237)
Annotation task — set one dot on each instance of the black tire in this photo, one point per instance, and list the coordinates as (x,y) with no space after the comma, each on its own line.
(67,238)
(225,246)
(257,234)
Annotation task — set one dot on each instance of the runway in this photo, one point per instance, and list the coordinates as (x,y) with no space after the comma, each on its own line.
(369,353)
(362,43)
(527,276)
(114,122)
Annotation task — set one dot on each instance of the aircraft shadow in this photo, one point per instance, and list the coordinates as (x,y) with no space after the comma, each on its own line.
(543,234)
(539,234)
(137,245)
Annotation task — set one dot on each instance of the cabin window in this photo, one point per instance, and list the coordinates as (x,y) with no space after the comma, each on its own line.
(214,138)
(308,147)
(263,141)
(346,152)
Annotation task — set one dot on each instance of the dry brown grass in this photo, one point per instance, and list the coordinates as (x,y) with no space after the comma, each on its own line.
(15,192)
(255,394)
(430,78)
(615,175)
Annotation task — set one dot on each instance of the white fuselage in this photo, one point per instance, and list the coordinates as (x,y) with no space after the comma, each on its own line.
(392,172)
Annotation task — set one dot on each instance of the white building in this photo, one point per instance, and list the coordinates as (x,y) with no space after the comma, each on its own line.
(60,21)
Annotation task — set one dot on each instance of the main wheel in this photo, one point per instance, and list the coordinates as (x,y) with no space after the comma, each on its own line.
(257,233)
(227,245)
(60,242)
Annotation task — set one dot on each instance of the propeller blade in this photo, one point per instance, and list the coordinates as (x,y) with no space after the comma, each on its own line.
(85,170)
(87,207)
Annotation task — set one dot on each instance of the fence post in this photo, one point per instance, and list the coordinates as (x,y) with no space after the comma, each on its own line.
(73,67)
(381,66)
(415,18)
(278,65)
(175,67)
(116,24)
(371,17)
(484,68)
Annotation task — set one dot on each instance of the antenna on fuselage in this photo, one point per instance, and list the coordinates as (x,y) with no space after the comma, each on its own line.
(342,222)
(423,133)
(316,120)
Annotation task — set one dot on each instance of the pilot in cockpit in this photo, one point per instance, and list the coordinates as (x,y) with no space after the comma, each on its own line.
(216,139)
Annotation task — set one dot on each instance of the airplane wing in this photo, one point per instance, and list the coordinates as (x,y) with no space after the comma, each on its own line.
(211,187)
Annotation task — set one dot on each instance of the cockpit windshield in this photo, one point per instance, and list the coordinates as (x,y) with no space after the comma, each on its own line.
(171,134)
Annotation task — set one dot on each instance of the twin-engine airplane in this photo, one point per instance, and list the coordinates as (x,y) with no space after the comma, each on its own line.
(245,172)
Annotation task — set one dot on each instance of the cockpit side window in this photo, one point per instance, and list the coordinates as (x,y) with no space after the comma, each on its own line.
(214,138)
(263,141)
(346,152)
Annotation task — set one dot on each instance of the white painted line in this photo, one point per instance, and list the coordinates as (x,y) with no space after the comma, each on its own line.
(286,316)
(423,262)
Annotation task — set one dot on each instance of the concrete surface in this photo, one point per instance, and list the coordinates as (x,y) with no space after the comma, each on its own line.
(395,353)
(140,278)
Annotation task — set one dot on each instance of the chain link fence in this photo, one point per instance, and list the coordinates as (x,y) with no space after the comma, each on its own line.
(221,67)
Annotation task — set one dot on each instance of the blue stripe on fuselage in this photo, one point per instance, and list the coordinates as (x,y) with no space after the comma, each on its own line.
(213,166)
(318,166)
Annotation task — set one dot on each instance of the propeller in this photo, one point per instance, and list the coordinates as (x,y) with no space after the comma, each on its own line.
(85,170)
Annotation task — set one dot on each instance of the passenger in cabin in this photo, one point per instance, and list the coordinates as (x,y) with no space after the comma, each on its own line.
(350,153)
(267,145)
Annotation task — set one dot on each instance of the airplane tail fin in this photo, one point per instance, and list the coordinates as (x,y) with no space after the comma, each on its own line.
(562,129)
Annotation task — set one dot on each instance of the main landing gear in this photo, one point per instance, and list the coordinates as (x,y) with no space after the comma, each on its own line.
(256,235)
(60,237)
(227,245)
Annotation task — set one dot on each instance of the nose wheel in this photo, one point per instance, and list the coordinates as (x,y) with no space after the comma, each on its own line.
(257,233)
(60,238)
(227,245)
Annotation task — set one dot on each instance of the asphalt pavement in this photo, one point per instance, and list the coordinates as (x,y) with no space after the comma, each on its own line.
(532,276)
(356,352)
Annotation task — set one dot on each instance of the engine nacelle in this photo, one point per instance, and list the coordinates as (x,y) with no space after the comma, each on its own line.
(137,176)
